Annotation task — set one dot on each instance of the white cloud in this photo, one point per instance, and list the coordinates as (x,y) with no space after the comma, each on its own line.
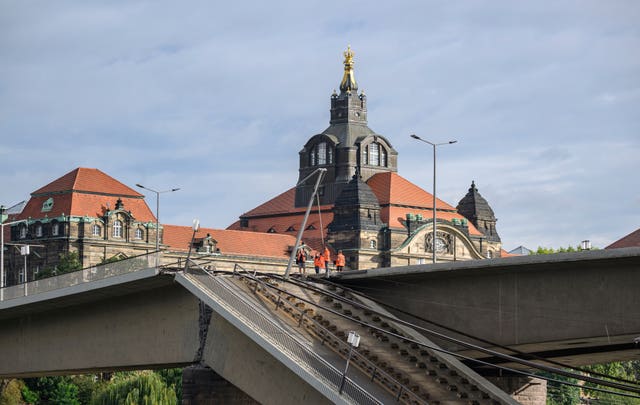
(219,99)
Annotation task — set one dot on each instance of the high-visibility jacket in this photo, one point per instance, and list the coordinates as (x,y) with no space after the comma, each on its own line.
(327,255)
(318,261)
(340,261)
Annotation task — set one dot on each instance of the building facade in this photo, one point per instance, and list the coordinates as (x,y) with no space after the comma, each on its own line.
(101,219)
(364,207)
(85,211)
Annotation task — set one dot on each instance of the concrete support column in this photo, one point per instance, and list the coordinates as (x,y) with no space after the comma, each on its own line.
(525,390)
(203,386)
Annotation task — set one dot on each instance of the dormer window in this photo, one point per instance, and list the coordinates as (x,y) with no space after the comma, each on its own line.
(117,229)
(321,154)
(375,154)
(47,205)
(96,230)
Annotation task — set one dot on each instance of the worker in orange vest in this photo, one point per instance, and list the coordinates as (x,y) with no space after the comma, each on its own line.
(327,260)
(340,261)
(318,262)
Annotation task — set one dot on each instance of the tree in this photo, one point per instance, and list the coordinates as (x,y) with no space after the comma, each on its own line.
(11,392)
(54,390)
(626,370)
(67,263)
(543,250)
(172,378)
(561,394)
(140,388)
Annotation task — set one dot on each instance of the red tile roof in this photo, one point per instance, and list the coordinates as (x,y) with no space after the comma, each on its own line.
(631,240)
(86,192)
(396,195)
(281,204)
(282,224)
(504,253)
(231,241)
(391,188)
(89,180)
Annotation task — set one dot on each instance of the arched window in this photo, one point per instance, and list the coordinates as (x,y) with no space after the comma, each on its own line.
(38,231)
(55,229)
(139,233)
(117,229)
(96,230)
(23,232)
(321,154)
(374,154)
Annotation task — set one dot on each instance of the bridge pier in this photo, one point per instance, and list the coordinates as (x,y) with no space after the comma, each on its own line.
(203,386)
(525,390)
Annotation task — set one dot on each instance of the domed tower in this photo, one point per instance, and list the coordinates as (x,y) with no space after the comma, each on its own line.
(356,224)
(477,210)
(347,146)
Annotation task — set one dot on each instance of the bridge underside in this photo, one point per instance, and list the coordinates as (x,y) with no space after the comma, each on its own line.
(149,323)
(577,308)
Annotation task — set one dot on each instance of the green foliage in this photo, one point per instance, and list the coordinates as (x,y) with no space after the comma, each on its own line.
(627,370)
(67,263)
(54,390)
(140,388)
(125,387)
(29,396)
(561,394)
(65,393)
(542,250)
(87,384)
(172,377)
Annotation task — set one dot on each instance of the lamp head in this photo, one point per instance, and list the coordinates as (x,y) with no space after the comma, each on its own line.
(453,141)
(414,136)
(175,189)
(139,185)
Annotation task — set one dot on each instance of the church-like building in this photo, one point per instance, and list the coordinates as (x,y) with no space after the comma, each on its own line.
(363,206)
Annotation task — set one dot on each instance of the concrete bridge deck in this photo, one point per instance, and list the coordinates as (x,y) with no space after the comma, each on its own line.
(578,308)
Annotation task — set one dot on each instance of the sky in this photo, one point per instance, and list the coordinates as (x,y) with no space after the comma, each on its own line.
(218,98)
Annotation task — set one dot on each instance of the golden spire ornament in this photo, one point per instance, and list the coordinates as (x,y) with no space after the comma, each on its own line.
(348,80)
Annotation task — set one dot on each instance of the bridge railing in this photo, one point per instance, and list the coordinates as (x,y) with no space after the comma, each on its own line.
(285,341)
(399,390)
(85,275)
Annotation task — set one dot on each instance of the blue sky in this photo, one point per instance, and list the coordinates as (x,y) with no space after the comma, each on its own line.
(218,98)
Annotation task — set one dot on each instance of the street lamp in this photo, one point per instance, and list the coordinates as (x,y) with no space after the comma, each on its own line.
(433,237)
(2,253)
(354,341)
(157,216)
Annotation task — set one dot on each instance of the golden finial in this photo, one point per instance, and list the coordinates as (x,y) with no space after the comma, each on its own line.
(348,80)
(348,56)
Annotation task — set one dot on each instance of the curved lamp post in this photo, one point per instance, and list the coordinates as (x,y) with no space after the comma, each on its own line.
(434,145)
(157,215)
